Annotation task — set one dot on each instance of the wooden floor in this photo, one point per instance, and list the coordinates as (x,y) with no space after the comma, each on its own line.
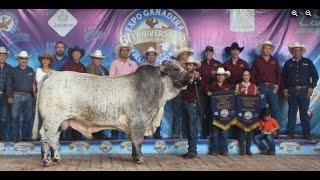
(166,162)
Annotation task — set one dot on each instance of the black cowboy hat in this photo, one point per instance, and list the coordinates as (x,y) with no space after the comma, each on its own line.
(76,48)
(234,45)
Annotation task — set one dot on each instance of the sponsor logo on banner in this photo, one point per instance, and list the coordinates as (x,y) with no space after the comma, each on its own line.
(62,22)
(290,147)
(308,24)
(8,22)
(105,146)
(242,20)
(223,108)
(247,112)
(162,29)
(24,147)
(126,145)
(79,146)
(2,147)
(160,146)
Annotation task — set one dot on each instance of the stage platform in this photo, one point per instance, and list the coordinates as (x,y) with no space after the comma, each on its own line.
(164,146)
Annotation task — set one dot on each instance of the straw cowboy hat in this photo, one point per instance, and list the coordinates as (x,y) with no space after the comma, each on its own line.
(45,55)
(23,54)
(266,43)
(221,70)
(234,45)
(298,45)
(191,60)
(151,49)
(118,48)
(177,52)
(97,54)
(76,48)
(3,51)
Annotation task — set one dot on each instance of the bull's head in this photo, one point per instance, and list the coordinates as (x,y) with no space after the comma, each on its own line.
(178,75)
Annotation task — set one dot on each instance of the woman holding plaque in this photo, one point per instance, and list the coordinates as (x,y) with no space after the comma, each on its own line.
(247,88)
(219,138)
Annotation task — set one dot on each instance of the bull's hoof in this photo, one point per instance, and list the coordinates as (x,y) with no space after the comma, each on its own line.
(57,159)
(139,161)
(46,162)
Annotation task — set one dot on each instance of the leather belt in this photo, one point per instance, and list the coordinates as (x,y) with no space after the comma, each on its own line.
(191,100)
(300,87)
(21,93)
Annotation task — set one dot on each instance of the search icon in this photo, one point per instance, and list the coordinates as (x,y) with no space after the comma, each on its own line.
(294,13)
(308,13)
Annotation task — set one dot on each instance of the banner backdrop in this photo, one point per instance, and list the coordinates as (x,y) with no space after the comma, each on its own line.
(37,30)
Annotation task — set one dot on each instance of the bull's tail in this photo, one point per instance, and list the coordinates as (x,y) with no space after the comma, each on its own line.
(36,117)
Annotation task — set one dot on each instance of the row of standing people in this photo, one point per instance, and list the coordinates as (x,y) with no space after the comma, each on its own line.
(299,77)
(265,72)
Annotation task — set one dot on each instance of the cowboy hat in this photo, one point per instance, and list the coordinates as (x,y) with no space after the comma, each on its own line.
(151,49)
(45,55)
(23,54)
(177,52)
(298,45)
(191,60)
(97,54)
(76,48)
(266,43)
(221,70)
(234,45)
(118,48)
(3,51)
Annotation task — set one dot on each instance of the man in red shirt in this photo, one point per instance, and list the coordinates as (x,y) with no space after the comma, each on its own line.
(74,64)
(235,65)
(266,75)
(208,67)
(189,102)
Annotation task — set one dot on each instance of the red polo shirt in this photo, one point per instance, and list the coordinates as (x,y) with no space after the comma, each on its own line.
(216,88)
(207,66)
(189,93)
(266,72)
(73,66)
(235,70)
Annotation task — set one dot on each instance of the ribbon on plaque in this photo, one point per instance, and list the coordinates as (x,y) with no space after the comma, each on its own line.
(247,112)
(223,109)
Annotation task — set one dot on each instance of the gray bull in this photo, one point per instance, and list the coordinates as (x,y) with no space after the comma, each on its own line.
(132,103)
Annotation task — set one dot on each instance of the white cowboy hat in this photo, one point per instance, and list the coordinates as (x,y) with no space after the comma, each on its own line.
(193,61)
(221,70)
(266,43)
(23,54)
(298,45)
(97,54)
(177,52)
(118,48)
(151,49)
(3,51)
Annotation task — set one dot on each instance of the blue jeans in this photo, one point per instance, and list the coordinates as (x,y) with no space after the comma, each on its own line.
(245,139)
(4,106)
(298,99)
(273,100)
(192,125)
(218,141)
(270,140)
(177,115)
(21,104)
